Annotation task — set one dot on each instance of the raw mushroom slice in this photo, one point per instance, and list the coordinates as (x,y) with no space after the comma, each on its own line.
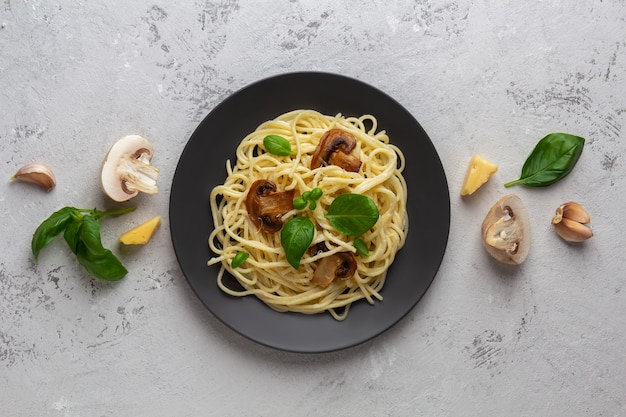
(506,230)
(126,169)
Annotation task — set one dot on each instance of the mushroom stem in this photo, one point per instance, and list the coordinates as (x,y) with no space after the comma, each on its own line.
(506,230)
(126,169)
(139,175)
(503,235)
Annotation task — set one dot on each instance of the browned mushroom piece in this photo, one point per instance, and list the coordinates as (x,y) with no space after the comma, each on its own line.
(317,249)
(341,265)
(266,206)
(335,148)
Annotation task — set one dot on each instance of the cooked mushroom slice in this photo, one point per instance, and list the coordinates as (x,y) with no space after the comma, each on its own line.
(506,230)
(335,148)
(341,265)
(126,169)
(317,248)
(266,206)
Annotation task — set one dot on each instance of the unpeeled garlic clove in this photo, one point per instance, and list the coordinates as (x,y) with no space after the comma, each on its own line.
(36,173)
(572,222)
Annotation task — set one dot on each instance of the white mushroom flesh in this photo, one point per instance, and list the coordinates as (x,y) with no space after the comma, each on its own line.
(126,169)
(506,230)
(504,234)
(138,174)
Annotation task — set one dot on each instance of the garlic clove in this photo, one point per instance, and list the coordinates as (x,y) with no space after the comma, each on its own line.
(575,211)
(572,231)
(572,222)
(36,173)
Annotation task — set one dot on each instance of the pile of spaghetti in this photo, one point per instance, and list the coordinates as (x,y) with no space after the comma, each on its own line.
(371,167)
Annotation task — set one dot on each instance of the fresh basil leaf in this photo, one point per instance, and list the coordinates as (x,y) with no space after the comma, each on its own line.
(81,231)
(72,234)
(104,266)
(296,237)
(353,214)
(239,259)
(277,145)
(97,260)
(552,159)
(361,247)
(90,235)
(52,227)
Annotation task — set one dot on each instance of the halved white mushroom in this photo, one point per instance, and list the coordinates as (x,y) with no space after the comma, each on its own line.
(506,230)
(126,169)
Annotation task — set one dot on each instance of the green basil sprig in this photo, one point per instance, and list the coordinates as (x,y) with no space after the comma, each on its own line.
(239,259)
(361,247)
(353,214)
(552,159)
(81,231)
(277,145)
(350,214)
(296,237)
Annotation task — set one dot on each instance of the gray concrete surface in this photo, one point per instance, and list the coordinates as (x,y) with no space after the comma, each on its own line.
(487,77)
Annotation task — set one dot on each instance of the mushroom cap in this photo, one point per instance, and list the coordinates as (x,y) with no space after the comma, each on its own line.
(506,230)
(340,265)
(266,205)
(334,148)
(111,180)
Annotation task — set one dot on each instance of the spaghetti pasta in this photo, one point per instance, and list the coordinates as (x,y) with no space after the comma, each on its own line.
(266,273)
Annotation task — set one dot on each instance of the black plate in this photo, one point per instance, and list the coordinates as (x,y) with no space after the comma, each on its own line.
(202,166)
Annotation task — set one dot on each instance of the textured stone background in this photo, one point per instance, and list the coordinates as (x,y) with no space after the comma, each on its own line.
(488,77)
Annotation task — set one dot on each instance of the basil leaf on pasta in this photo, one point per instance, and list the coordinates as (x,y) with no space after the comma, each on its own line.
(277,145)
(296,237)
(239,259)
(353,214)
(361,247)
